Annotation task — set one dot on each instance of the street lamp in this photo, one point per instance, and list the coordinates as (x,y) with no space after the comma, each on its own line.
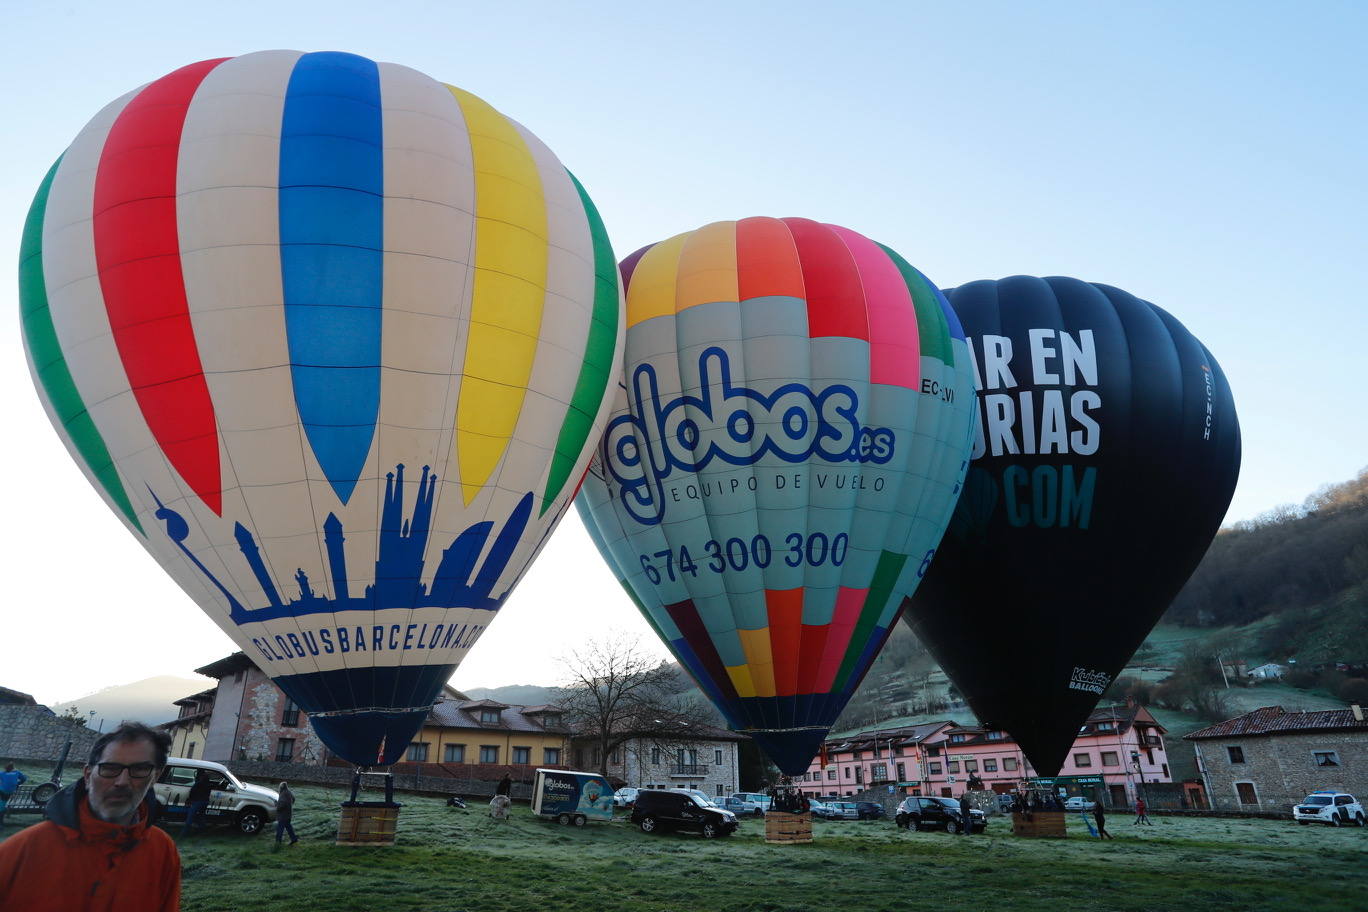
(1139,775)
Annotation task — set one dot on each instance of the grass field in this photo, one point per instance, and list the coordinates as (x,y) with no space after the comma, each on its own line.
(449,860)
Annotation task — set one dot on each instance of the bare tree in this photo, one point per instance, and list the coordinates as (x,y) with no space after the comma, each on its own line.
(616,693)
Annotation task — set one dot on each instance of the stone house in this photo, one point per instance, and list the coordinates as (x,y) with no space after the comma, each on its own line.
(31,731)
(707,759)
(1269,759)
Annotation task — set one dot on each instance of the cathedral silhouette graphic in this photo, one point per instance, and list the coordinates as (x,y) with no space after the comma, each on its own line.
(398,578)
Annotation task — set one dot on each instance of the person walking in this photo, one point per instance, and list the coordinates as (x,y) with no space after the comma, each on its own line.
(1140,813)
(10,780)
(1101,817)
(966,813)
(196,803)
(285,814)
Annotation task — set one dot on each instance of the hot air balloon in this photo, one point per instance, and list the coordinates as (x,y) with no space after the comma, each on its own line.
(1105,459)
(783,455)
(333,339)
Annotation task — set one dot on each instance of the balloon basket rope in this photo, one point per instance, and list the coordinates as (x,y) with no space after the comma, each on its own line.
(787,828)
(1039,825)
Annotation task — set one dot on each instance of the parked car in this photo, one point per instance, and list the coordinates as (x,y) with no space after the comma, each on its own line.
(1006,803)
(739,807)
(869,810)
(1079,803)
(247,807)
(931,813)
(1329,807)
(843,810)
(820,808)
(624,797)
(698,795)
(657,810)
(756,798)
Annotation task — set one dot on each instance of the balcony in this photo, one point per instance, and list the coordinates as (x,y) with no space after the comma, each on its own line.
(688,769)
(1152,739)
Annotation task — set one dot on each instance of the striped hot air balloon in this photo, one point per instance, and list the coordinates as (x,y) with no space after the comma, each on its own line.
(333,339)
(782,459)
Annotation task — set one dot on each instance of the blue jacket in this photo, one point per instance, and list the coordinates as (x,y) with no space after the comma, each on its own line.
(10,781)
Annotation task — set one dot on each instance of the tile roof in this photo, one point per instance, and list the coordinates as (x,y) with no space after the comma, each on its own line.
(1274,720)
(465,714)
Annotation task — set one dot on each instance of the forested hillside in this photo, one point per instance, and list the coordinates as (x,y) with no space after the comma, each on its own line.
(1301,571)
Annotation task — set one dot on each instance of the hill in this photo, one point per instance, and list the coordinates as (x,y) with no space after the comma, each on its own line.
(515,694)
(149,700)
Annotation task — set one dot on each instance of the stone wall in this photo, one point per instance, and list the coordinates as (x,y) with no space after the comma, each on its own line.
(34,733)
(1282,768)
(271,774)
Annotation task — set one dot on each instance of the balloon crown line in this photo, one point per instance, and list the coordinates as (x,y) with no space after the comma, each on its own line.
(398,565)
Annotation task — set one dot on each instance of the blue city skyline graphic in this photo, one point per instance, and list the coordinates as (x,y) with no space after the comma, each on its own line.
(398,577)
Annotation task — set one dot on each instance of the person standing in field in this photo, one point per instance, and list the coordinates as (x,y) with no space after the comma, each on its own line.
(196,803)
(285,814)
(966,813)
(1140,813)
(10,780)
(98,849)
(1101,817)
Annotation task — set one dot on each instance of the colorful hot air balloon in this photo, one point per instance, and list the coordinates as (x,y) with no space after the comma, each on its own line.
(333,339)
(781,461)
(1107,453)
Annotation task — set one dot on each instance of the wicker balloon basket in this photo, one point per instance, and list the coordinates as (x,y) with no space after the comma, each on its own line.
(1039,825)
(367,823)
(786,828)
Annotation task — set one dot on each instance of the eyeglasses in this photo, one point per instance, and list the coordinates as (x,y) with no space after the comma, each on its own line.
(135,770)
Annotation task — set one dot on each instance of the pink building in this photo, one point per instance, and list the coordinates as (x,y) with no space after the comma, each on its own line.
(1117,748)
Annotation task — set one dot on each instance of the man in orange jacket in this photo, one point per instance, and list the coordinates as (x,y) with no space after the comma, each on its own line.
(98,850)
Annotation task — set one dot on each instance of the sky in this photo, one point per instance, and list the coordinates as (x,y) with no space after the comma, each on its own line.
(1206,157)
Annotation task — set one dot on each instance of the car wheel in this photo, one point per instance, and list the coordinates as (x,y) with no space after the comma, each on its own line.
(709,831)
(1359,821)
(648,825)
(580,820)
(251,821)
(952,827)
(1335,821)
(1304,822)
(42,794)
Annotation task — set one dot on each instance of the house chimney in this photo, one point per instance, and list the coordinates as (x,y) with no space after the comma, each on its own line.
(1357,709)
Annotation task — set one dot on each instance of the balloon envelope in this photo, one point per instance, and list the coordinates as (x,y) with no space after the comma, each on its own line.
(781,461)
(1107,452)
(333,339)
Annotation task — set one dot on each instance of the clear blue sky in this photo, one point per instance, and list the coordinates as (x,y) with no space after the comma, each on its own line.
(1207,157)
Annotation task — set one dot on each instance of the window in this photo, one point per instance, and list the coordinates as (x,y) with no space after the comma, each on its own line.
(455,753)
(551,756)
(1082,760)
(1009,763)
(1106,726)
(1325,758)
(655,756)
(933,752)
(831,773)
(290,718)
(935,768)
(612,758)
(579,758)
(902,773)
(995,736)
(417,753)
(489,753)
(859,774)
(990,766)
(847,772)
(285,750)
(1110,758)
(1246,792)
(720,788)
(489,715)
(717,758)
(952,766)
(971,766)
(957,739)
(1236,754)
(522,755)
(1166,772)
(857,755)
(551,720)
(879,773)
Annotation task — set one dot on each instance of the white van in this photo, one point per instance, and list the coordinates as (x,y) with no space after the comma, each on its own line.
(232,801)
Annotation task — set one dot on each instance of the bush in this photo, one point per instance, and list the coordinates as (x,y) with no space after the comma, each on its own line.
(1353,690)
